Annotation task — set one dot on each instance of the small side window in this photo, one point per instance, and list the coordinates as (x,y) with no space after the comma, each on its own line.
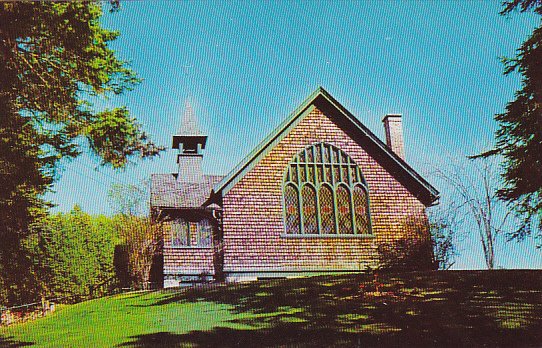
(205,233)
(180,233)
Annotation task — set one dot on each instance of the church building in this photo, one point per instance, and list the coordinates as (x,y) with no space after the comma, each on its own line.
(320,194)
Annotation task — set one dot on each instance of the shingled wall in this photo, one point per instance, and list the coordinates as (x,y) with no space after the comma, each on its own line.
(185,264)
(254,244)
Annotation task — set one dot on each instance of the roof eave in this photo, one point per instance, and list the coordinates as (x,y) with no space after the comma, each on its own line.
(319,98)
(269,139)
(433,192)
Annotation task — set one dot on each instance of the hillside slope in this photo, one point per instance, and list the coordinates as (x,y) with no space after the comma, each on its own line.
(454,308)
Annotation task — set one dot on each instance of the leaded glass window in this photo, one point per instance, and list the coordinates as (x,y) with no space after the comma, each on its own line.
(309,155)
(308,198)
(344,212)
(360,209)
(294,174)
(325,193)
(327,211)
(302,176)
(191,234)
(291,205)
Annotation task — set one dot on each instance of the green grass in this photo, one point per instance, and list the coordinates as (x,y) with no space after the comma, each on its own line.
(498,308)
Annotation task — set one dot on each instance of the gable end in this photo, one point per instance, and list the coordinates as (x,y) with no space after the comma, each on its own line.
(322,100)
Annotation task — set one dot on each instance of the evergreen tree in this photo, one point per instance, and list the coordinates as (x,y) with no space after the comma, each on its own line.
(519,137)
(55,61)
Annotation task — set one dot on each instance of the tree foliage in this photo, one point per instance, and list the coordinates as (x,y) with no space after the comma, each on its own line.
(444,223)
(22,180)
(55,64)
(140,249)
(522,6)
(56,60)
(73,253)
(129,199)
(519,137)
(141,238)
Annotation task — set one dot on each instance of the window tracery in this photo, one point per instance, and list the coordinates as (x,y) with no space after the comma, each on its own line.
(325,193)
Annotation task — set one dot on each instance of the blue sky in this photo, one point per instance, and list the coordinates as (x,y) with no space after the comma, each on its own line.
(251,63)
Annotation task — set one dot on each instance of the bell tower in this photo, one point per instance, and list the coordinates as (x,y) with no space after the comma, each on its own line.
(190,142)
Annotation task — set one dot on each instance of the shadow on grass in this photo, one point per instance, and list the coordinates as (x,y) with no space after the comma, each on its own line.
(8,342)
(158,339)
(282,335)
(455,308)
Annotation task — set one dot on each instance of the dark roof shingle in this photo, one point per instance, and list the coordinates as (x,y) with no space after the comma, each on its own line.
(166,192)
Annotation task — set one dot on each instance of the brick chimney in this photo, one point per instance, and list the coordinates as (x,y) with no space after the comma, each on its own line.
(393,125)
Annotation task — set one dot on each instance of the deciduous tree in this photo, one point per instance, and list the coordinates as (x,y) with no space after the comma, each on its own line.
(142,244)
(444,221)
(141,238)
(473,196)
(74,254)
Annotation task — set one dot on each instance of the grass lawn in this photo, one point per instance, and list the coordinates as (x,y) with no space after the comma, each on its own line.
(459,308)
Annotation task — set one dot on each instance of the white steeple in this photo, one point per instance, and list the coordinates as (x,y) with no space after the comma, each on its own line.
(189,123)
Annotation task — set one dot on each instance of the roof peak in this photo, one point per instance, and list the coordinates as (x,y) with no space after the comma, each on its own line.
(325,102)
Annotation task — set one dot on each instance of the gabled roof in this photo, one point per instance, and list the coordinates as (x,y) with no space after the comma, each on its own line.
(322,100)
(167,192)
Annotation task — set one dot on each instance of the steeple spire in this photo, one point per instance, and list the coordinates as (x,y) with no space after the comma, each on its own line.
(189,123)
(190,142)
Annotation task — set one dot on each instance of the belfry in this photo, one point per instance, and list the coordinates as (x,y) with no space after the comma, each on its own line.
(190,142)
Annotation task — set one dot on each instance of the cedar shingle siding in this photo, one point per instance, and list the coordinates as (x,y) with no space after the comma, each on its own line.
(247,205)
(253,211)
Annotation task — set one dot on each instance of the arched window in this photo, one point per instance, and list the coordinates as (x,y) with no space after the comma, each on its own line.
(327,211)
(325,193)
(361,207)
(291,206)
(344,211)
(308,199)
